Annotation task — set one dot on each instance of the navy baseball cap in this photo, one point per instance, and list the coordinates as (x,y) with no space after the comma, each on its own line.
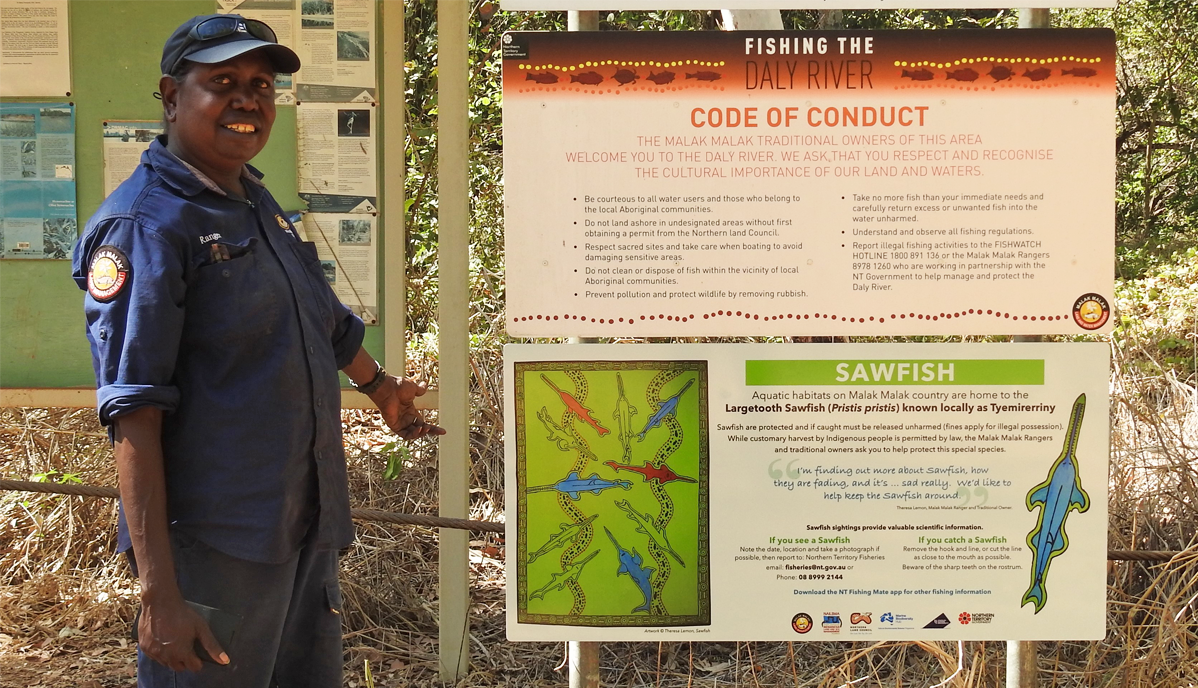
(213,38)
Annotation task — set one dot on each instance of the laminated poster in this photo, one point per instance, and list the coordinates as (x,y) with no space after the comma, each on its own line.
(123,143)
(35,48)
(336,151)
(347,245)
(768,183)
(280,15)
(37,168)
(337,49)
(805,492)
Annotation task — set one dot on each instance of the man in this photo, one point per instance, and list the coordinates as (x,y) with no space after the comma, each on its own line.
(216,343)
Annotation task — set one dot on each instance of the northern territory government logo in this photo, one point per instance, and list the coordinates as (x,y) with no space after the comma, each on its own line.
(801,623)
(939,622)
(107,274)
(966,618)
(1091,311)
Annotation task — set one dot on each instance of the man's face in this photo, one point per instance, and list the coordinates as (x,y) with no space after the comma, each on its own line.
(220,114)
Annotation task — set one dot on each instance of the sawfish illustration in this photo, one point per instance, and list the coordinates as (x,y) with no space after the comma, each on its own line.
(1058,495)
(662,475)
(576,408)
(623,417)
(669,407)
(632,564)
(644,526)
(559,580)
(574,486)
(564,536)
(558,436)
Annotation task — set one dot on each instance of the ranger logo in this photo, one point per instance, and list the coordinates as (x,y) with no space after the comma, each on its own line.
(107,274)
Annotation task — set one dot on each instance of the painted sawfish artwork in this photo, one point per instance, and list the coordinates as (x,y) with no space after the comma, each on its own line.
(1059,494)
(613,518)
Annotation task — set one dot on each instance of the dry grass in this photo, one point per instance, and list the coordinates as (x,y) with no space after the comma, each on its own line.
(66,599)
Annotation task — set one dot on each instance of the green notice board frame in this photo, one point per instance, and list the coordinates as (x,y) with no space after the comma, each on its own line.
(116,46)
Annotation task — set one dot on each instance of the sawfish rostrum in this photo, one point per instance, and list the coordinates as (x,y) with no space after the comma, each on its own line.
(1060,494)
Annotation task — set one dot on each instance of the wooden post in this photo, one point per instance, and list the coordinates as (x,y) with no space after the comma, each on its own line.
(453,225)
(391,209)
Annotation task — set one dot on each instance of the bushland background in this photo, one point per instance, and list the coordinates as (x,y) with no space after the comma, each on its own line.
(66,598)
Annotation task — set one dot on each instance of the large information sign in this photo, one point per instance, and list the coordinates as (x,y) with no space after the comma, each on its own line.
(776,492)
(766,183)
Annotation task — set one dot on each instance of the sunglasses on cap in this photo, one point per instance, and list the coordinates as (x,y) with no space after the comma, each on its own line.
(219,27)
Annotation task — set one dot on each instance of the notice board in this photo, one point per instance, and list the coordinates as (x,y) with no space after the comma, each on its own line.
(758,183)
(116,47)
(779,492)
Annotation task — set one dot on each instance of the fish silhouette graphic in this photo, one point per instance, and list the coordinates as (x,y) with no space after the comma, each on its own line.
(1060,494)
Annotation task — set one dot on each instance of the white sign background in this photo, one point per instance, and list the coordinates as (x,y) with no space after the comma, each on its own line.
(908,581)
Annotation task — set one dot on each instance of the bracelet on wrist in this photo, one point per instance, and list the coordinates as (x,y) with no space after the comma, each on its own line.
(372,386)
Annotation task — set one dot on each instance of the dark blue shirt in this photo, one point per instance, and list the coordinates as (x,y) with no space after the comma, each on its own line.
(214,310)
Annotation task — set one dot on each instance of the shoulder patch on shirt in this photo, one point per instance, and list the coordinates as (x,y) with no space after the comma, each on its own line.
(107,273)
(282,223)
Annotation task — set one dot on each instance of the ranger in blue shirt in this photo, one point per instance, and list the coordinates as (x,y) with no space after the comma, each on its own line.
(216,342)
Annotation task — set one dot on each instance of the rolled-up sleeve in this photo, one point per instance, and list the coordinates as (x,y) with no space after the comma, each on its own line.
(347,335)
(135,330)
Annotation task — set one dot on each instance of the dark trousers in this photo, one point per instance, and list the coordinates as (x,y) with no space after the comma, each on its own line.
(290,630)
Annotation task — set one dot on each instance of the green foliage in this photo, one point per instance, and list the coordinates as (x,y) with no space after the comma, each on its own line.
(398,458)
(55,476)
(1157,179)
(1158,316)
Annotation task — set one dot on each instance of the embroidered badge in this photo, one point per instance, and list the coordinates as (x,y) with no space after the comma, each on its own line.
(282,223)
(107,274)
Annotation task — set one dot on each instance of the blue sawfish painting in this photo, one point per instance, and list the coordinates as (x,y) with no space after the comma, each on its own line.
(1059,495)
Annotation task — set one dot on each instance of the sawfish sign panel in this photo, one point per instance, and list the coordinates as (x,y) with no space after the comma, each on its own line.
(765,183)
(773,492)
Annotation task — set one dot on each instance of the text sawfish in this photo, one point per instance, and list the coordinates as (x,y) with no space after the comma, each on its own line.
(1058,495)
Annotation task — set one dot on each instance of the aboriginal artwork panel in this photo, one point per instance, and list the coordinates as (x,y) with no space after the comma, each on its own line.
(612,490)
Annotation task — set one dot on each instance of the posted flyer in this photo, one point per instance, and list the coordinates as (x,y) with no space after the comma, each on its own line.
(806,492)
(765,183)
(347,245)
(336,152)
(123,143)
(35,48)
(336,47)
(37,167)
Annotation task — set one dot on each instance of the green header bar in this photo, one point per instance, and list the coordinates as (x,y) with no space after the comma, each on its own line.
(896,372)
